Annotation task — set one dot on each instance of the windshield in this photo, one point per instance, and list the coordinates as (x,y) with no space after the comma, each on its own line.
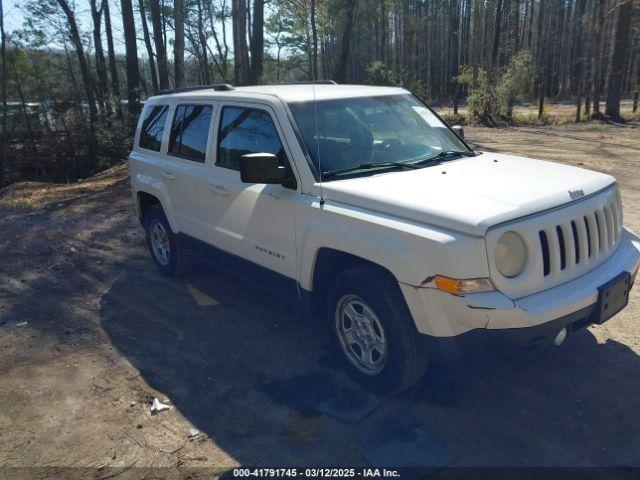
(390,129)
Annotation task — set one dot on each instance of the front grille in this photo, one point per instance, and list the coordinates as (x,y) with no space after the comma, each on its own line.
(562,243)
(581,240)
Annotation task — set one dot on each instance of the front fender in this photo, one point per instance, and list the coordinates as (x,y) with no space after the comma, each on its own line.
(411,251)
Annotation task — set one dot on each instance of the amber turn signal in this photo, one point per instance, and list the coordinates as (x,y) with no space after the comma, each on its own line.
(461,287)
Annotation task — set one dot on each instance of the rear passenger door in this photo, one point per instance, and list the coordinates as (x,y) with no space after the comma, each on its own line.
(254,221)
(189,161)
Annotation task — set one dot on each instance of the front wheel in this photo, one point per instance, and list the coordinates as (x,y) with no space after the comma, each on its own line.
(374,332)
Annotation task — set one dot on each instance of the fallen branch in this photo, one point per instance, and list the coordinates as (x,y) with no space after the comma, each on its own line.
(173,451)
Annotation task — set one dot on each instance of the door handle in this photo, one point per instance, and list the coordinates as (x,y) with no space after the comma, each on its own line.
(168,175)
(218,189)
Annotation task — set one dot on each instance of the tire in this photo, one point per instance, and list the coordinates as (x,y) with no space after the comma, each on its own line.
(167,252)
(371,294)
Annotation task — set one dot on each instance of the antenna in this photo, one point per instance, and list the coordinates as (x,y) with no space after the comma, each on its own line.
(315,112)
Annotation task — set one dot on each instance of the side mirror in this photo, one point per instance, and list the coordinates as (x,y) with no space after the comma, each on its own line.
(261,168)
(459,129)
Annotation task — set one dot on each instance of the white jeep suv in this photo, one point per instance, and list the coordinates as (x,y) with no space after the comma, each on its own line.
(363,206)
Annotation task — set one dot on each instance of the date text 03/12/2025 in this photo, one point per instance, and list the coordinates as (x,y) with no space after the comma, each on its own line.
(315,473)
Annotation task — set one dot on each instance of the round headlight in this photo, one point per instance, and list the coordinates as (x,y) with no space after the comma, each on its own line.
(511,254)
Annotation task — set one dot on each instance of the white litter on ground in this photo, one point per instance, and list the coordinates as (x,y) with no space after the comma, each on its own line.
(158,406)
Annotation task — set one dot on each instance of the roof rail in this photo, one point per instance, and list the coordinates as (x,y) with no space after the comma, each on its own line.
(218,87)
(310,82)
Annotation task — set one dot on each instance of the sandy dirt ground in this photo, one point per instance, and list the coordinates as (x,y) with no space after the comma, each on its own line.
(555,113)
(90,333)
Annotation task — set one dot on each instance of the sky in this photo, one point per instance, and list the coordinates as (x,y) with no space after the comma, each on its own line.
(13,15)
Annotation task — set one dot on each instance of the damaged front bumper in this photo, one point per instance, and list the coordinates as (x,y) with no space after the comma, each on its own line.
(439,314)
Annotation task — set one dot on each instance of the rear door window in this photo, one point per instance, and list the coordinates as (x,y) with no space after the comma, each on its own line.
(190,132)
(153,128)
(246,130)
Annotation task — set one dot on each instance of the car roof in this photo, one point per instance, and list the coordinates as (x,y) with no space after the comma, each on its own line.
(287,92)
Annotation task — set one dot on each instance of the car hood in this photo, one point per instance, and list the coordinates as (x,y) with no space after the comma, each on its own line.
(469,194)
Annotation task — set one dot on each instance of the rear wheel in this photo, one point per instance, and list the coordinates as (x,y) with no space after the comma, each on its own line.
(373,331)
(164,245)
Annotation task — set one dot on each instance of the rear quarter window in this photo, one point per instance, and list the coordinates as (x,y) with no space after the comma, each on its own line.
(153,128)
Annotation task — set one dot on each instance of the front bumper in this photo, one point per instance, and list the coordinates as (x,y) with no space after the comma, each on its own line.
(439,314)
(507,340)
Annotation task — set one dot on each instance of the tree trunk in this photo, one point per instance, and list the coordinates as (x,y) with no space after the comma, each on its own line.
(278,61)
(202,38)
(220,68)
(131,53)
(314,42)
(620,55)
(405,35)
(221,65)
(74,84)
(223,21)
(323,59)
(240,50)
(351,8)
(455,46)
(383,32)
(161,52)
(466,37)
(516,25)
(195,51)
(496,39)
(3,98)
(597,57)
(257,40)
(43,88)
(23,104)
(540,54)
(101,66)
(636,94)
(178,42)
(74,36)
(475,51)
(578,107)
(530,29)
(113,68)
(147,44)
(578,50)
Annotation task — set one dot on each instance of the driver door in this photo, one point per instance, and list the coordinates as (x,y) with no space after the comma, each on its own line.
(252,221)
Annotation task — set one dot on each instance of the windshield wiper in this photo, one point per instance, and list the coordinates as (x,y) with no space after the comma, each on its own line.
(443,155)
(367,166)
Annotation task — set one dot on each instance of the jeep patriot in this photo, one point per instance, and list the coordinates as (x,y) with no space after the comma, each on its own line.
(363,206)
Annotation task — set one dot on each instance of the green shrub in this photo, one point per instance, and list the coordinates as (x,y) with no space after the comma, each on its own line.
(378,73)
(418,88)
(481,99)
(488,99)
(513,82)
